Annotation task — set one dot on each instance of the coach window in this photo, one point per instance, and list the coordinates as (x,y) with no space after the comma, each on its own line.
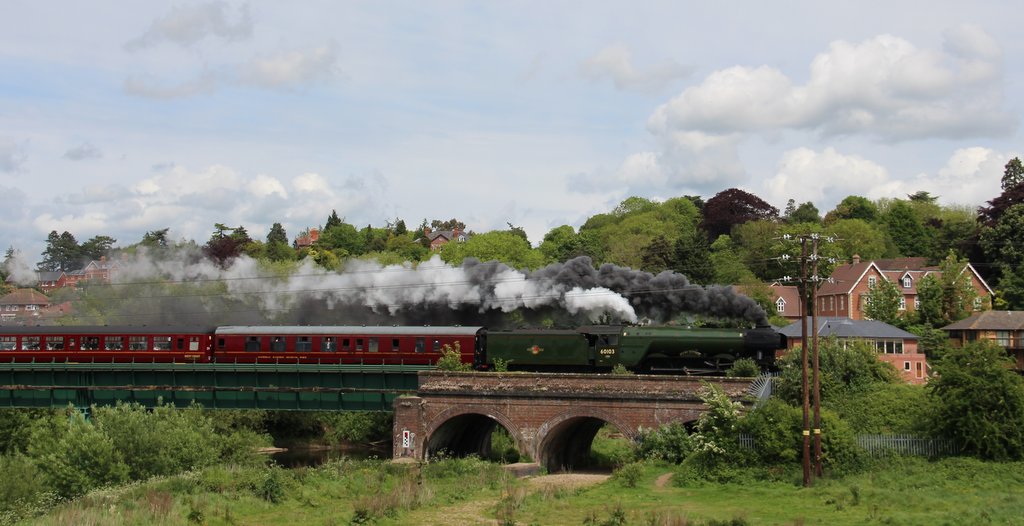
(345,345)
(303,344)
(54,343)
(161,343)
(181,344)
(113,343)
(394,345)
(373,344)
(8,343)
(136,343)
(91,343)
(359,344)
(437,345)
(277,344)
(30,343)
(252,344)
(328,344)
(421,344)
(193,343)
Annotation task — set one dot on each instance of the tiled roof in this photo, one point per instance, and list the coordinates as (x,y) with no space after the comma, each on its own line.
(25,297)
(843,278)
(848,328)
(46,275)
(990,320)
(902,264)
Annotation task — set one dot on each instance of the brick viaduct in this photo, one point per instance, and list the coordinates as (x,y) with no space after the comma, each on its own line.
(552,418)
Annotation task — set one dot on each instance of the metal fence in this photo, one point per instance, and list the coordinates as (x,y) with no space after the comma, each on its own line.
(881,445)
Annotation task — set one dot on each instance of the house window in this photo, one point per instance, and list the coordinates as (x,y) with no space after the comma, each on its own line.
(903,303)
(906,366)
(31,307)
(977,303)
(917,303)
(780,305)
(919,370)
(1003,338)
(907,282)
(871,282)
(831,302)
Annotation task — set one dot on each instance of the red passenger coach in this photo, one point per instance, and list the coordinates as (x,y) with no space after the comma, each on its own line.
(343,344)
(105,344)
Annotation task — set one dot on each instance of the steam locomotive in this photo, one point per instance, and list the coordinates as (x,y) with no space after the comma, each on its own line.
(586,349)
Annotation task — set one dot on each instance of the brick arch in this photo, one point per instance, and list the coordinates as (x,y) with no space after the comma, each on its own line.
(456,411)
(564,441)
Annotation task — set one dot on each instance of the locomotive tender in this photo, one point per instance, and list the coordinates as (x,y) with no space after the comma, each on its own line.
(596,348)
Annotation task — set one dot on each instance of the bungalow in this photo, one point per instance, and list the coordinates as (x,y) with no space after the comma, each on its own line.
(894,345)
(1001,326)
(22,305)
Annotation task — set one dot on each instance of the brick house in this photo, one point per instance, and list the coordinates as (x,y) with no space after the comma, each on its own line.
(441,238)
(787,301)
(307,238)
(1001,326)
(846,295)
(22,305)
(48,281)
(894,345)
(95,271)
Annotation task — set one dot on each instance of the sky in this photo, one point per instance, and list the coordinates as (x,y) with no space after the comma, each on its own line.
(120,117)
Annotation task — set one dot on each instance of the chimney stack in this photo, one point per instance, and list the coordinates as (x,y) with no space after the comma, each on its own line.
(856,259)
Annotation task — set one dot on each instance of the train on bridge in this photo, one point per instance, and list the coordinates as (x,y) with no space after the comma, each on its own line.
(596,348)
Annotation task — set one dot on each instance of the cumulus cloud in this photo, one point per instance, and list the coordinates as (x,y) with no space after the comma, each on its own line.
(884,87)
(291,68)
(264,185)
(83,152)
(971,176)
(189,24)
(96,194)
(615,63)
(12,156)
(824,177)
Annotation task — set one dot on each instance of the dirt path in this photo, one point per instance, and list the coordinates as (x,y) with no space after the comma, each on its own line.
(662,480)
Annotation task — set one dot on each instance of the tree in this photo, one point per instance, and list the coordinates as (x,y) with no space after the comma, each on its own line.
(517,230)
(732,207)
(805,213)
(883,302)
(332,220)
(1013,174)
(948,297)
(155,238)
(693,257)
(979,401)
(845,368)
(97,247)
(727,263)
(451,224)
(657,256)
(560,244)
(906,229)
(497,245)
(62,252)
(277,234)
(857,237)
(1003,244)
(853,207)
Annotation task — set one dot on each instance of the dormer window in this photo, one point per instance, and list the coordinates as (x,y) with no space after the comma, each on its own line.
(780,305)
(907,282)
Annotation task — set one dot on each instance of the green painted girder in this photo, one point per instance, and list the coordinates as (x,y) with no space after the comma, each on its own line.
(307,387)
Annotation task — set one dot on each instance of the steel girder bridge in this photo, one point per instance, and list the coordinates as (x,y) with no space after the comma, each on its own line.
(271,386)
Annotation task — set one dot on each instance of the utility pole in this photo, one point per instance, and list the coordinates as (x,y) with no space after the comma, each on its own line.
(812,281)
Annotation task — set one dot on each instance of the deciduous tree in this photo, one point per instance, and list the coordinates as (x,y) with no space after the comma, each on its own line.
(734,207)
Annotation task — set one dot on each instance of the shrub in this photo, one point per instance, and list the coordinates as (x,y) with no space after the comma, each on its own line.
(743,368)
(620,369)
(451,359)
(629,475)
(979,402)
(83,459)
(845,368)
(776,429)
(670,443)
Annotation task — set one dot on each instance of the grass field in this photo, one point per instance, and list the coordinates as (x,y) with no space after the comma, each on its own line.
(468,491)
